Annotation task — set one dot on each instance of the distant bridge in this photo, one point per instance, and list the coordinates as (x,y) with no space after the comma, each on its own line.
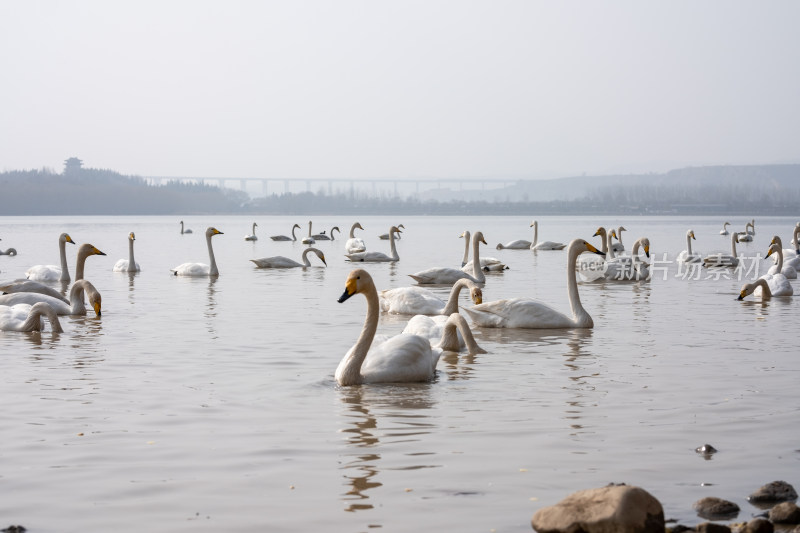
(397,186)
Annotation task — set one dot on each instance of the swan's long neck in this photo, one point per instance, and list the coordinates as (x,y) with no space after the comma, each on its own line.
(213,271)
(733,244)
(309,228)
(349,371)
(477,271)
(181,227)
(393,246)
(306,262)
(450,341)
(452,301)
(635,250)
(619,234)
(609,247)
(76,297)
(689,244)
(779,260)
(62,251)
(765,292)
(465,260)
(131,261)
(603,242)
(353,231)
(80,263)
(579,314)
(34,321)
(294,238)
(535,234)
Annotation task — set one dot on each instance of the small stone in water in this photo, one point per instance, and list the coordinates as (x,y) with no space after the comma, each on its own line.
(706,449)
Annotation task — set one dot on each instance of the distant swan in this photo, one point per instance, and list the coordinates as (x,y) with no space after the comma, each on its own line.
(252,237)
(487,263)
(448,276)
(778,283)
(416,300)
(451,332)
(529,313)
(545,245)
(323,237)
(629,267)
(284,262)
(128,265)
(519,244)
(76,294)
(724,260)
(187,230)
(724,230)
(686,256)
(200,269)
(378,257)
(618,247)
(747,234)
(791,256)
(9,251)
(284,237)
(400,359)
(25,317)
(385,236)
(780,266)
(309,239)
(355,244)
(52,272)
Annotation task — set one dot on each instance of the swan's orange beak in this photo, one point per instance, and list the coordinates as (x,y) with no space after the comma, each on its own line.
(349,290)
(95,251)
(647,251)
(769,252)
(96,305)
(323,259)
(593,249)
(69,239)
(742,295)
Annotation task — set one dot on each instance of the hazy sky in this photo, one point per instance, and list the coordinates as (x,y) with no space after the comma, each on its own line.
(303,89)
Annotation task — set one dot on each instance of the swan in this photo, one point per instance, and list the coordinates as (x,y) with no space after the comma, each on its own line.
(750,288)
(25,317)
(724,230)
(791,256)
(778,283)
(385,236)
(724,260)
(519,244)
(309,239)
(529,313)
(284,262)
(592,267)
(487,263)
(545,245)
(284,237)
(418,301)
(187,230)
(449,333)
(76,294)
(129,264)
(84,251)
(10,251)
(200,269)
(448,276)
(618,246)
(629,267)
(355,244)
(686,256)
(747,234)
(403,358)
(780,265)
(323,237)
(26,285)
(253,236)
(52,272)
(377,257)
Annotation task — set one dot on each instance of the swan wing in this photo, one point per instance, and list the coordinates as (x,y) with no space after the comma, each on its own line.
(276,262)
(43,273)
(26,285)
(403,358)
(440,275)
(550,245)
(519,244)
(355,245)
(411,301)
(518,313)
(31,298)
(12,317)
(369,257)
(191,269)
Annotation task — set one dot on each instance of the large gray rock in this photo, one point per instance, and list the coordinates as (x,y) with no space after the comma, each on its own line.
(612,509)
(716,508)
(777,491)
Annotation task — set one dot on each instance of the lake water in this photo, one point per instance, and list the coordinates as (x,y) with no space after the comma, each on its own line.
(210,404)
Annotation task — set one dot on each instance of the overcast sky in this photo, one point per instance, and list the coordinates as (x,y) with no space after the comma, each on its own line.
(460,88)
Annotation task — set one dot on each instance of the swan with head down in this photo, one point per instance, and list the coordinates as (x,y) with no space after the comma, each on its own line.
(76,295)
(416,300)
(284,237)
(386,236)
(26,317)
(447,332)
(26,285)
(8,251)
(403,358)
(448,275)
(200,269)
(377,257)
(284,262)
(529,313)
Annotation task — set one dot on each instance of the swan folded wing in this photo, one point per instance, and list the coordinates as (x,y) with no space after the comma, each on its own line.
(440,275)
(550,245)
(410,301)
(518,313)
(43,273)
(403,358)
(191,269)
(32,298)
(518,244)
(369,257)
(276,262)
(355,245)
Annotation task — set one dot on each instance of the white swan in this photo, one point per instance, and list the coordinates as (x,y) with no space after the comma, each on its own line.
(25,317)
(780,265)
(592,267)
(323,237)
(9,251)
(377,257)
(129,264)
(451,333)
(76,295)
(778,283)
(686,256)
(529,313)
(544,245)
(252,237)
(629,267)
(52,272)
(385,236)
(747,234)
(187,230)
(519,244)
(26,285)
(618,246)
(284,237)
(724,230)
(487,263)
(355,244)
(400,359)
(760,285)
(448,276)
(308,239)
(724,260)
(791,256)
(284,262)
(200,269)
(418,301)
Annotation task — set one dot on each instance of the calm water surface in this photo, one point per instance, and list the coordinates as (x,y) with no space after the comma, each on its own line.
(210,405)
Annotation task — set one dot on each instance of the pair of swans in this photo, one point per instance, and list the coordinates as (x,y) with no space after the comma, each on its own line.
(129,264)
(9,251)
(627,267)
(724,260)
(183,231)
(791,256)
(355,244)
(55,273)
(280,261)
(378,257)
(329,237)
(529,313)
(418,301)
(74,307)
(25,317)
(284,237)
(521,244)
(687,256)
(200,269)
(487,263)
(787,268)
(770,284)
(448,276)
(252,236)
(404,358)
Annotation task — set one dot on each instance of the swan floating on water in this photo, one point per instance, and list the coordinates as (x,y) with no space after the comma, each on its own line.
(355,244)
(747,234)
(183,231)
(323,237)
(749,288)
(519,244)
(448,276)
(308,239)
(724,260)
(629,267)
(724,230)
(26,317)
(76,295)
(416,300)
(200,269)
(529,313)
(284,237)
(378,257)
(129,264)
(778,283)
(780,265)
(26,285)
(385,236)
(403,358)
(487,263)
(284,262)
(544,245)
(252,236)
(686,256)
(52,272)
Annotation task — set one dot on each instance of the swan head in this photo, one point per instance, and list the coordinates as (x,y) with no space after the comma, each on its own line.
(776,240)
(600,231)
(587,247)
(66,238)
(89,249)
(534,224)
(210,232)
(465,235)
(747,289)
(613,234)
(476,294)
(358,280)
(319,254)
(296,226)
(479,237)
(131,236)
(396,229)
(773,248)
(645,243)
(690,234)
(500,246)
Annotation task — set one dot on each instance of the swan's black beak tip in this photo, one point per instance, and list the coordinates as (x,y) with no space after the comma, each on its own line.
(345,295)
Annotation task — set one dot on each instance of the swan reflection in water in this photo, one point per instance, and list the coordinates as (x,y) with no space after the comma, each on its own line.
(578,358)
(402,408)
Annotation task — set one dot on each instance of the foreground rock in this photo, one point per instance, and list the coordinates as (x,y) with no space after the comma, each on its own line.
(716,508)
(618,509)
(777,491)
